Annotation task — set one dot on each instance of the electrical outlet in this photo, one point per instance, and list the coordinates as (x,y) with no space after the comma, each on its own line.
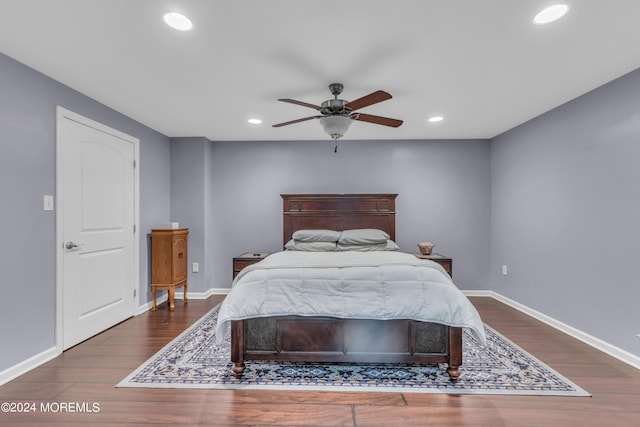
(195,267)
(504,270)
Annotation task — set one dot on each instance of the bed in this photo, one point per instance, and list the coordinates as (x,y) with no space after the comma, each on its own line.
(345,306)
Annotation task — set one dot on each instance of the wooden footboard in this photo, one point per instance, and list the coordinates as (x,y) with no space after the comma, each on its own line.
(303,339)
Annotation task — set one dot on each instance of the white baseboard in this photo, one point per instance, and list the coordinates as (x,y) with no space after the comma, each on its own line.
(148,306)
(597,343)
(479,293)
(26,365)
(203,295)
(180,295)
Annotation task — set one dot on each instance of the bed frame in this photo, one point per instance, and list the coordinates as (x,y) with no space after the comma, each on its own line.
(326,339)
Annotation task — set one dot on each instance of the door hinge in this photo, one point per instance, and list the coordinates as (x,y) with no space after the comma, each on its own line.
(134,164)
(134,229)
(135,292)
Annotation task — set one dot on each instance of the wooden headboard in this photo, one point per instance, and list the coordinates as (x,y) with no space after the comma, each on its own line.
(338,212)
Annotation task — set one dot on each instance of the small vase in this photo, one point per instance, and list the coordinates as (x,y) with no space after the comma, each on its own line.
(426,248)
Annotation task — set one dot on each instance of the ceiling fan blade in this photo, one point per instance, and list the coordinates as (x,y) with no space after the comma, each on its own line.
(365,101)
(386,121)
(304,104)
(295,121)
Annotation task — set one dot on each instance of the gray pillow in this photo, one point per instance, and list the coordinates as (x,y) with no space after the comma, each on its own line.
(296,245)
(316,235)
(363,236)
(389,245)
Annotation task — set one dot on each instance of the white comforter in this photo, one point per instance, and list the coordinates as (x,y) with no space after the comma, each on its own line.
(362,285)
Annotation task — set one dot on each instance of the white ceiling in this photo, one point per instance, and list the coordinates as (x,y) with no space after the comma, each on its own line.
(483,65)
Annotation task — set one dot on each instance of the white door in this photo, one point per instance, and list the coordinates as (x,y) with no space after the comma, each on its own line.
(96,227)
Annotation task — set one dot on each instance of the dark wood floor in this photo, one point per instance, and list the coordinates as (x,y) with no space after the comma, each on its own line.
(89,371)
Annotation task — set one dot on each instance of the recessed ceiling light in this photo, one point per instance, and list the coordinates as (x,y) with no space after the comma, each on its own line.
(255,121)
(178,21)
(435,119)
(551,14)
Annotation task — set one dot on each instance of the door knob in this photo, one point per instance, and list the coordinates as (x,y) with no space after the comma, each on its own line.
(70,245)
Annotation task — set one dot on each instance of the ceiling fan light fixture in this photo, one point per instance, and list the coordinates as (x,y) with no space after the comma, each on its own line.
(435,119)
(335,126)
(550,14)
(178,21)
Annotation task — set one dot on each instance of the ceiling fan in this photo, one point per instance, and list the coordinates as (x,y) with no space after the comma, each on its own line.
(336,115)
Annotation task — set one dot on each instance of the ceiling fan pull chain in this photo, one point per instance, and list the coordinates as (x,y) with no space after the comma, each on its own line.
(335,150)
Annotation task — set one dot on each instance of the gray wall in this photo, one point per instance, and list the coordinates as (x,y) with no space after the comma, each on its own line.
(566,213)
(443,188)
(28,103)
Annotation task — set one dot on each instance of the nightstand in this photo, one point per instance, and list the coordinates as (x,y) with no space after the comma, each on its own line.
(243,260)
(445,262)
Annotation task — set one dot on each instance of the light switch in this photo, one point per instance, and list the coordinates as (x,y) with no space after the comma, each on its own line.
(48,202)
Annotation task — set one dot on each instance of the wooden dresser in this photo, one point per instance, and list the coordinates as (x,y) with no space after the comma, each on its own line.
(169,262)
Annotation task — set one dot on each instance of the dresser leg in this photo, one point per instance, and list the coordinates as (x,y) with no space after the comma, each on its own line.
(186,285)
(153,291)
(172,293)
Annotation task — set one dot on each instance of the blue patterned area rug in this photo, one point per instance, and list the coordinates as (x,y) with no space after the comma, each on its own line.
(194,360)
